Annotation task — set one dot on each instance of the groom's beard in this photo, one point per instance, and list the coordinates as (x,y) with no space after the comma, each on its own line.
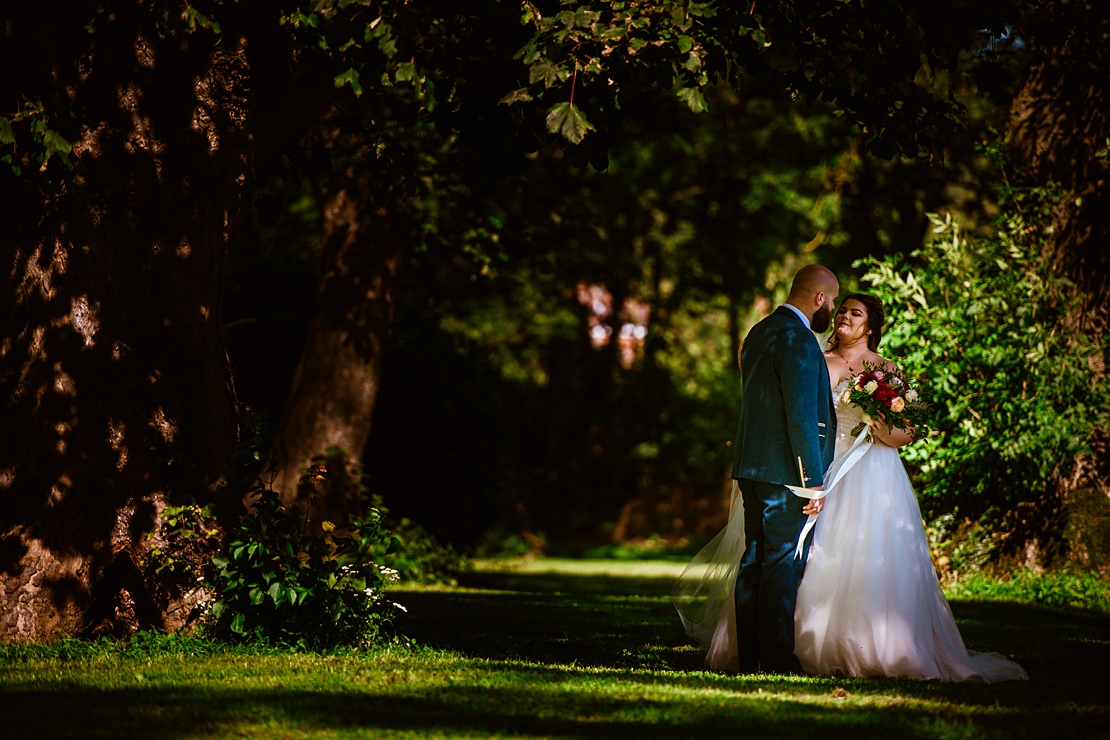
(821,320)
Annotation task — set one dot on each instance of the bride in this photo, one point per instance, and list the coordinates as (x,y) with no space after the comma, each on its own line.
(869,603)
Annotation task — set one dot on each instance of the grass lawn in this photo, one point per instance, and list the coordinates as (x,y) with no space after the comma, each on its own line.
(549,649)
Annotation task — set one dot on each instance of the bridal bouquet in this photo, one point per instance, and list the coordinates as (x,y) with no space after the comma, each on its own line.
(887,395)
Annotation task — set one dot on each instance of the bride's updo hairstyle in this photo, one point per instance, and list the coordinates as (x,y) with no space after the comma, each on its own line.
(876,317)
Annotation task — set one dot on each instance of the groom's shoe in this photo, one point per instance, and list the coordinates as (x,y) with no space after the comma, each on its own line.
(788,666)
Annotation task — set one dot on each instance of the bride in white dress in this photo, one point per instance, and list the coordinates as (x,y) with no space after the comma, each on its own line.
(869,603)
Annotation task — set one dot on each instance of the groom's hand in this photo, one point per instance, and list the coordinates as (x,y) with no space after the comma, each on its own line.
(814,505)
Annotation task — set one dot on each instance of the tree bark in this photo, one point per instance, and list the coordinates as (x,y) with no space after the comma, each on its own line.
(331,401)
(117,395)
(1058,130)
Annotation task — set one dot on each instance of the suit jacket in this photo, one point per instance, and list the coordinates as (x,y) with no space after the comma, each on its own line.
(787,408)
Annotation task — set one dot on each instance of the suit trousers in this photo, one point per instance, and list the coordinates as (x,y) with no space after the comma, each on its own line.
(768,578)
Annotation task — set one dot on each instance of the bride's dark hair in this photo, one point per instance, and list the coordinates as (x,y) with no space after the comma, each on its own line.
(876,317)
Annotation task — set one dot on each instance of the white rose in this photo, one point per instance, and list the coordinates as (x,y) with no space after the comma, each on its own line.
(911,395)
(895,382)
(871,386)
(897,404)
(846,396)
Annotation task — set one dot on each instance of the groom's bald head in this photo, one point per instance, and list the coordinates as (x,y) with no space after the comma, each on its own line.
(814,279)
(814,292)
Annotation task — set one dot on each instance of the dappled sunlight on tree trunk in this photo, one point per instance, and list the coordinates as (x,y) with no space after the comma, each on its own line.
(116,390)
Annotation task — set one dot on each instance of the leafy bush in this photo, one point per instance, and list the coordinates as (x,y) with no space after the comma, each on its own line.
(285,582)
(417,556)
(987,323)
(497,542)
(183,540)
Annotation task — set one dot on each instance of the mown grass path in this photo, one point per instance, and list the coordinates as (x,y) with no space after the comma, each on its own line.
(552,649)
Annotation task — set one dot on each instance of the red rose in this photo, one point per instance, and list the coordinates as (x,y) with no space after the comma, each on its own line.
(884,394)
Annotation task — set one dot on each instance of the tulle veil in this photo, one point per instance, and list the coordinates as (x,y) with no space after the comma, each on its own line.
(704,594)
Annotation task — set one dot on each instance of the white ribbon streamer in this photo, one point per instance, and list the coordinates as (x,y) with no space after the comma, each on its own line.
(839,467)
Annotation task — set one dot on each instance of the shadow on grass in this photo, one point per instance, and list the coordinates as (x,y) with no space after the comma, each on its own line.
(574,583)
(459,710)
(139,713)
(629,622)
(574,656)
(572,629)
(533,701)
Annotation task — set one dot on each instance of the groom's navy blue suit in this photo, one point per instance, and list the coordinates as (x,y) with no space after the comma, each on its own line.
(786,414)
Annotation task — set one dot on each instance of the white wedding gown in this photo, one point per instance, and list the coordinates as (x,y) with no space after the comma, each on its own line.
(870,603)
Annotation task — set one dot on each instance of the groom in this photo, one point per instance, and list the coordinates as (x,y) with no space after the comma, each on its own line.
(787,415)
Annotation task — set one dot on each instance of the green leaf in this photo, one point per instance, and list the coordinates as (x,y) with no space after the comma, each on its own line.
(406,72)
(298,19)
(351,78)
(516,96)
(239,624)
(583,17)
(694,99)
(568,121)
(543,70)
(276,592)
(55,143)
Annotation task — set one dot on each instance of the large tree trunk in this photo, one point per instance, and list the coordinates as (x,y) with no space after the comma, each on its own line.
(331,402)
(1058,131)
(115,383)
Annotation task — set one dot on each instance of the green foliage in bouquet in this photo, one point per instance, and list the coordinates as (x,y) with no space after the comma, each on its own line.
(1012,381)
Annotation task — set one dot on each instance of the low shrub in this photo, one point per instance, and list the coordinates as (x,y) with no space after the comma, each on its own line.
(283,580)
(1078,589)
